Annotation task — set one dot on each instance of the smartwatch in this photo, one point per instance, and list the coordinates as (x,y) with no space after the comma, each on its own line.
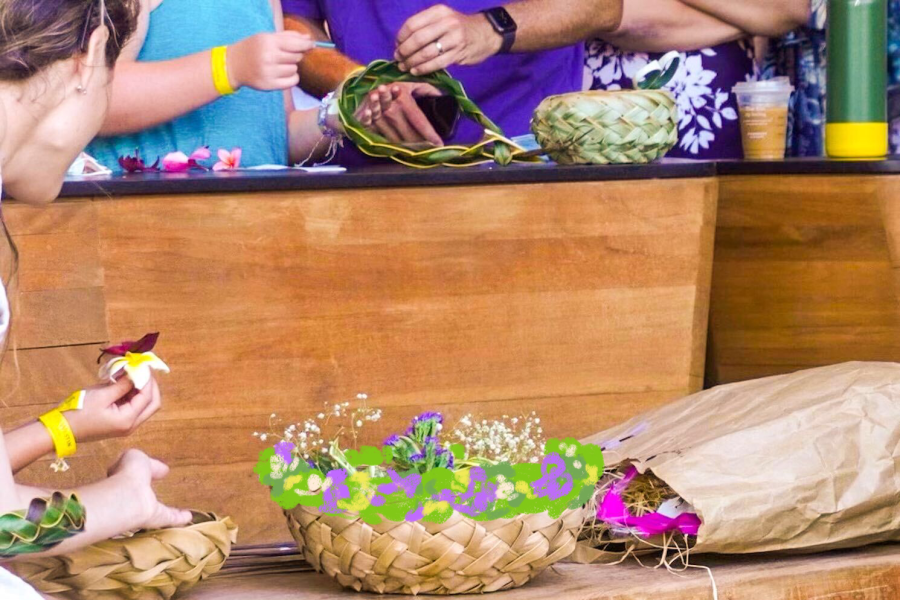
(503,24)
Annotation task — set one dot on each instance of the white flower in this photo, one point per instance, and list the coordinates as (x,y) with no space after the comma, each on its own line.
(138,368)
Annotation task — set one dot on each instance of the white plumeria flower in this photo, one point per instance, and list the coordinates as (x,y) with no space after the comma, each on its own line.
(138,368)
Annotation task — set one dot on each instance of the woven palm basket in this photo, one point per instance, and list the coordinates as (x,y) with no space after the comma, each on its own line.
(460,556)
(149,565)
(598,127)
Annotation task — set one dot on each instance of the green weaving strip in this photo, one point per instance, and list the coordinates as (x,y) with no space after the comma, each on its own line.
(44,525)
(494,147)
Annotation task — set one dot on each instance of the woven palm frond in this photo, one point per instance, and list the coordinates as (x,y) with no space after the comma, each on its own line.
(149,565)
(460,556)
(599,127)
(494,147)
(44,525)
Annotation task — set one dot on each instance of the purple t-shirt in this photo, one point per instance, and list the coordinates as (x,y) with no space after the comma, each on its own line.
(507,88)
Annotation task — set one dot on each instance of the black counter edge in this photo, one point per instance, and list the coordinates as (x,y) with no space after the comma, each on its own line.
(274,181)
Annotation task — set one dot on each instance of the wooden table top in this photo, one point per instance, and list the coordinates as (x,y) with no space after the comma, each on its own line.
(868,574)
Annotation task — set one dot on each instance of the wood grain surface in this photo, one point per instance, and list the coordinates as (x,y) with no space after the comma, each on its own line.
(806,273)
(868,574)
(586,302)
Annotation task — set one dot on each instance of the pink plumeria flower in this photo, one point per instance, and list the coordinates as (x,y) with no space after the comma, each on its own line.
(176,162)
(179,162)
(228,161)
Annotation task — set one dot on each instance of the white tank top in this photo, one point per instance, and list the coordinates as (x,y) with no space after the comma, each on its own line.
(10,585)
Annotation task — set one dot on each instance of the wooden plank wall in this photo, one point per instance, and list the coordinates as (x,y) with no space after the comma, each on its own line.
(806,273)
(586,302)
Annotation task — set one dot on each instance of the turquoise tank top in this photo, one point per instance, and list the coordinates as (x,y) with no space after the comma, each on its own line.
(253,120)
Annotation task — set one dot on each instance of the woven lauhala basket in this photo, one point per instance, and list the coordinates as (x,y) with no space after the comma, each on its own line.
(597,127)
(460,556)
(150,565)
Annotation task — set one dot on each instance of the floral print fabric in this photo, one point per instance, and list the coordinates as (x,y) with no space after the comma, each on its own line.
(801,55)
(709,126)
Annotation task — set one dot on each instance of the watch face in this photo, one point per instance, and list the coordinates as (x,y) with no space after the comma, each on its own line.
(502,19)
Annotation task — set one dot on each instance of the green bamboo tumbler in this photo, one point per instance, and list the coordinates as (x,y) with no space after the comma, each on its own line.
(856,110)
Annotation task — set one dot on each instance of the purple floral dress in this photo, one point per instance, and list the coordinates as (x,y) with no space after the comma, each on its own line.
(709,128)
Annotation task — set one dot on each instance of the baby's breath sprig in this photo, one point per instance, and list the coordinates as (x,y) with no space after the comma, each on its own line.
(338,425)
(508,439)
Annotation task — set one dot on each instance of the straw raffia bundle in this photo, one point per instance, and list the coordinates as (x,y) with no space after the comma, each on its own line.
(600,127)
(494,147)
(460,556)
(149,565)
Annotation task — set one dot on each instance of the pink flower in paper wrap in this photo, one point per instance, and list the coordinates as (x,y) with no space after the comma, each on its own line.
(612,510)
(228,161)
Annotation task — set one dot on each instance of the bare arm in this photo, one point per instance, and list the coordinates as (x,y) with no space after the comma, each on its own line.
(322,70)
(107,513)
(147,94)
(665,25)
(767,18)
(545,24)
(439,37)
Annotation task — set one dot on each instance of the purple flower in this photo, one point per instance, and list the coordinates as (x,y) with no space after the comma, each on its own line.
(392,441)
(417,457)
(284,449)
(429,416)
(145,344)
(135,164)
(424,418)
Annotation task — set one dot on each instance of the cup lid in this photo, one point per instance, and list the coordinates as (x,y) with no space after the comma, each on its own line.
(777,84)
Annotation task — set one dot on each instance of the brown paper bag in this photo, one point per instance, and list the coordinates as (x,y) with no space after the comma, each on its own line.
(802,462)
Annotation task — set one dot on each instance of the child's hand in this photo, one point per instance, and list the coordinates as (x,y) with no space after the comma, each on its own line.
(268,61)
(138,472)
(114,410)
(377,104)
(394,114)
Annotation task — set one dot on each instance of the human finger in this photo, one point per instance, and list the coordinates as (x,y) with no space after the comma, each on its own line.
(421,20)
(425,41)
(425,131)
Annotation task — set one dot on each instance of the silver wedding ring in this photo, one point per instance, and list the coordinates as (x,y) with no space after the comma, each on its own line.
(440,47)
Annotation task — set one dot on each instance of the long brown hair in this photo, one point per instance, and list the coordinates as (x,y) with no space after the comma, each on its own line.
(35,34)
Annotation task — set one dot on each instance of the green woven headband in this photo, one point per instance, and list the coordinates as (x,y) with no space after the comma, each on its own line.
(44,525)
(493,147)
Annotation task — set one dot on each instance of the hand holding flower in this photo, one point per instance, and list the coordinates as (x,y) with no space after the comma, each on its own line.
(114,410)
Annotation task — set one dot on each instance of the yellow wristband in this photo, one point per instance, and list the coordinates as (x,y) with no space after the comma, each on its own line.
(220,71)
(73,402)
(61,432)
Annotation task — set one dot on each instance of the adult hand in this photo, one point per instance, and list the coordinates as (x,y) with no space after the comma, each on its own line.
(439,37)
(267,61)
(114,410)
(403,122)
(137,472)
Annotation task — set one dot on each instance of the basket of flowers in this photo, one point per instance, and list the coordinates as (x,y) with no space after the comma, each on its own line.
(483,507)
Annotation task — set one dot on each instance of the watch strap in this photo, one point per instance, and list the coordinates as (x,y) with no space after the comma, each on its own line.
(497,17)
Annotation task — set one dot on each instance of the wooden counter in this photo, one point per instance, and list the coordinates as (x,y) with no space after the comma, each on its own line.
(867,574)
(807,267)
(581,293)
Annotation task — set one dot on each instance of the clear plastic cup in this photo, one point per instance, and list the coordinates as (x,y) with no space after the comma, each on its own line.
(763,106)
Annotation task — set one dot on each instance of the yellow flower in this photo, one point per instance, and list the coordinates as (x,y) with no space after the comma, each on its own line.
(290,482)
(138,367)
(524,488)
(438,507)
